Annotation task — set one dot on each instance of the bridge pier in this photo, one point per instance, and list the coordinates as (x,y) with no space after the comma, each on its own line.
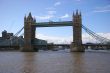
(76,45)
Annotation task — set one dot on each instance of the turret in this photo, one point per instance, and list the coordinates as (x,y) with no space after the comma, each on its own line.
(29,18)
(80,13)
(73,14)
(77,18)
(25,18)
(34,20)
(77,12)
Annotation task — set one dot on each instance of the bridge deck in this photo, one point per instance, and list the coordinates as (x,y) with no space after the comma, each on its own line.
(54,24)
(54,45)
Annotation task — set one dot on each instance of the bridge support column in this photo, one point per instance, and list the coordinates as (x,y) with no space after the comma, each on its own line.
(29,33)
(76,45)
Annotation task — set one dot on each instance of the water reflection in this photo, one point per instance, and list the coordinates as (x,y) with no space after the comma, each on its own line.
(28,62)
(78,62)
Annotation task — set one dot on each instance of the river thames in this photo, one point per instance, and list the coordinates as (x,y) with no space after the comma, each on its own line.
(55,62)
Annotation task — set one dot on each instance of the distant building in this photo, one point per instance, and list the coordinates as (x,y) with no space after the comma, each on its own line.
(40,42)
(6,35)
(10,39)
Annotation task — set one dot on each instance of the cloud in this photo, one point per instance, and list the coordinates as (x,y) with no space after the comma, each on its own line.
(51,12)
(67,40)
(44,17)
(102,9)
(65,16)
(78,0)
(49,15)
(57,3)
(50,8)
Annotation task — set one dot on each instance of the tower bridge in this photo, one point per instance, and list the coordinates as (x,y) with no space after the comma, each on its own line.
(30,25)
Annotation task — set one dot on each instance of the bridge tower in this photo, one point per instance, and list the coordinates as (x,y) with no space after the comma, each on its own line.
(76,45)
(29,33)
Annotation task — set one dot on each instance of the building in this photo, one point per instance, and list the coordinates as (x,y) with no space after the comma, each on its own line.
(6,35)
(8,39)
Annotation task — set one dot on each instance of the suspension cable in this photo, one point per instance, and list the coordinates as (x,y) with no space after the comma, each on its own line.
(19,31)
(96,36)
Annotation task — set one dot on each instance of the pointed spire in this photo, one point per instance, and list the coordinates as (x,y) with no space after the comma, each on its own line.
(73,14)
(30,15)
(34,19)
(25,17)
(30,18)
(77,12)
(80,13)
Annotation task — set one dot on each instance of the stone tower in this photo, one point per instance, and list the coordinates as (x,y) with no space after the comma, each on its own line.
(29,33)
(76,45)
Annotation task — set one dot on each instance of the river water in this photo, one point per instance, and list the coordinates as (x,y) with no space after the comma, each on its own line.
(55,62)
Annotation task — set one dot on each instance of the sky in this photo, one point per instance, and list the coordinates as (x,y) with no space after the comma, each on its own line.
(95,16)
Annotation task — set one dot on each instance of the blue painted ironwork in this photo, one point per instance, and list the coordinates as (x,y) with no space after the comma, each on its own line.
(54,24)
